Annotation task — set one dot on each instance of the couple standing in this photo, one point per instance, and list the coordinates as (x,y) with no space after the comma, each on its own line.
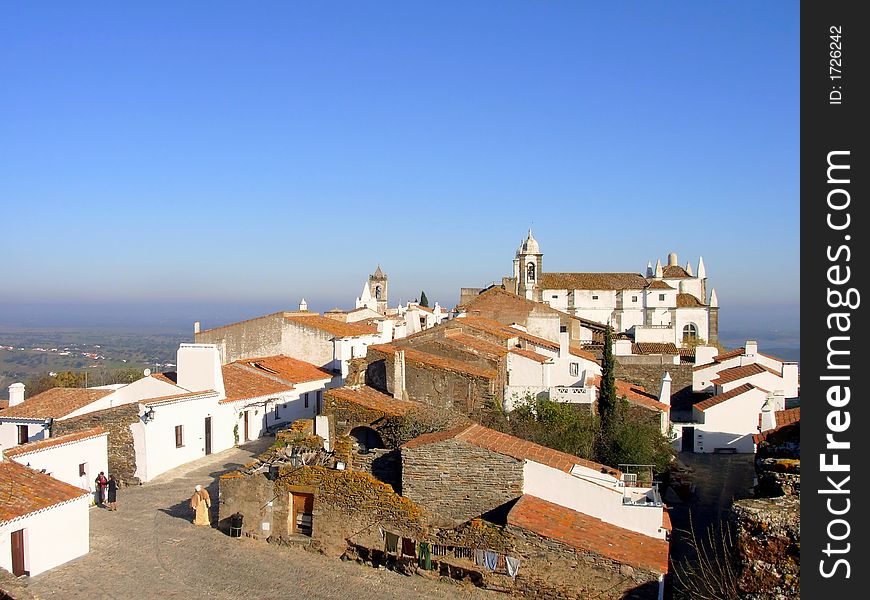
(107,491)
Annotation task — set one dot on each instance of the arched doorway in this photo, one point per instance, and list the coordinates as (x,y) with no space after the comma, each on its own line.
(366,438)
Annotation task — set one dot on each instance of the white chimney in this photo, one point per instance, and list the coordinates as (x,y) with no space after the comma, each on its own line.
(195,327)
(672,260)
(199,368)
(659,273)
(564,342)
(751,348)
(303,305)
(16,394)
(704,355)
(768,416)
(702,271)
(665,391)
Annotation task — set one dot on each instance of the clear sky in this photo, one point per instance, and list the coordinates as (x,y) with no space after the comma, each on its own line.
(254,153)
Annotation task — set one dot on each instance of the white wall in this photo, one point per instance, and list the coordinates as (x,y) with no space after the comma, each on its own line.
(36,430)
(141,389)
(51,537)
(62,462)
(596,500)
(730,424)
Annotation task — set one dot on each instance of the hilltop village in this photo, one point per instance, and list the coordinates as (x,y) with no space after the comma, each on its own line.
(395,436)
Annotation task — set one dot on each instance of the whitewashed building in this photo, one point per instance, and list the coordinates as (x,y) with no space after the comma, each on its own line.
(43,521)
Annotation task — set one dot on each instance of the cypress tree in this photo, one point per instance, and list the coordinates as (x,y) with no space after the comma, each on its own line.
(607,394)
(424,301)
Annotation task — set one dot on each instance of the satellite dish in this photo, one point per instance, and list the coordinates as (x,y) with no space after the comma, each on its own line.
(146,372)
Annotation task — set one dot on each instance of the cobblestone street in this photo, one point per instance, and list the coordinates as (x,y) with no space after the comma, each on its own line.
(150,549)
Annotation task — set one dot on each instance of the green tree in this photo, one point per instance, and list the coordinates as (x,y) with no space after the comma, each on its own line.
(607,392)
(424,301)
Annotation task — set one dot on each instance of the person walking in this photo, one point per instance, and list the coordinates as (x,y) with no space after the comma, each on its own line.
(112,497)
(200,503)
(101,485)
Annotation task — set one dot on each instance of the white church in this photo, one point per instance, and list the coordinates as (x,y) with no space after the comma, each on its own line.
(670,304)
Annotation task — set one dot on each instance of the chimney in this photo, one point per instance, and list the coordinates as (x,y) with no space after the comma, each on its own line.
(199,368)
(195,327)
(702,272)
(303,305)
(665,391)
(649,270)
(659,273)
(399,392)
(672,260)
(751,348)
(16,394)
(621,347)
(564,342)
(768,415)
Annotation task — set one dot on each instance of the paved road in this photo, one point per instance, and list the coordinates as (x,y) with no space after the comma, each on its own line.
(150,549)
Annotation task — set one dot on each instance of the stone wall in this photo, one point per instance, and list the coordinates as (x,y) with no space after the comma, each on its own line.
(116,421)
(459,481)
(346,504)
(551,569)
(383,464)
(650,375)
(261,336)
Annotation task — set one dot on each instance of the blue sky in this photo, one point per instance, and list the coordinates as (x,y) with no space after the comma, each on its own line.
(253,154)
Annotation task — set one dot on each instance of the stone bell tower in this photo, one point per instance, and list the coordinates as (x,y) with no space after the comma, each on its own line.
(527,268)
(378,289)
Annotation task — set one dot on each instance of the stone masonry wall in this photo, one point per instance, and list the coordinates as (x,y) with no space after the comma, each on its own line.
(117,421)
(459,481)
(650,376)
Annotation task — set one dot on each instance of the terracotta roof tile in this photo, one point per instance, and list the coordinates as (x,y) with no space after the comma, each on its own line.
(286,368)
(635,394)
(738,373)
(529,354)
(24,491)
(578,351)
(720,358)
(476,343)
(720,398)
(508,445)
(169,377)
(592,281)
(54,441)
(656,348)
(784,418)
(588,533)
(424,358)
(658,285)
(371,398)
(55,403)
(674,272)
(332,326)
(689,301)
(240,384)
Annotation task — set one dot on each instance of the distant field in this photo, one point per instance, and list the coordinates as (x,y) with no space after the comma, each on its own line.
(25,353)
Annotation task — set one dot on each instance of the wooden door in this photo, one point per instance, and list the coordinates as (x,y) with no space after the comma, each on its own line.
(208,435)
(301,513)
(18,553)
(247,417)
(688,444)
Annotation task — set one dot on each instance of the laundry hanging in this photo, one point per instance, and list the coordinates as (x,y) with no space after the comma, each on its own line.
(409,547)
(391,544)
(479,558)
(425,558)
(490,560)
(512,565)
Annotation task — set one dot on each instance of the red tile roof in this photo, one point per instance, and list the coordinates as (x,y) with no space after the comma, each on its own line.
(592,281)
(656,348)
(738,373)
(508,445)
(55,441)
(784,418)
(529,354)
(587,533)
(659,285)
(674,272)
(286,368)
(720,398)
(171,397)
(24,491)
(331,326)
(578,351)
(240,384)
(689,301)
(431,360)
(635,394)
(476,343)
(170,377)
(372,399)
(55,403)
(720,358)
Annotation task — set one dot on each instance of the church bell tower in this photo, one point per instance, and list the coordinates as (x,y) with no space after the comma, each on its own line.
(527,268)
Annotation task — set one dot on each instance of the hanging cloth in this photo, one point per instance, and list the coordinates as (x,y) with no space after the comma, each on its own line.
(425,557)
(512,565)
(479,557)
(409,548)
(392,542)
(490,560)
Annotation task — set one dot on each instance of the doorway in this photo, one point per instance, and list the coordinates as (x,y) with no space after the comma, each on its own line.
(207,436)
(688,444)
(247,419)
(18,553)
(301,509)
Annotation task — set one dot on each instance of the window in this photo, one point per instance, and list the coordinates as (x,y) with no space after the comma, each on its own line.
(661,297)
(277,412)
(22,434)
(634,298)
(530,272)
(595,297)
(179,436)
(377,292)
(83,469)
(305,397)
(690,332)
(574,369)
(555,297)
